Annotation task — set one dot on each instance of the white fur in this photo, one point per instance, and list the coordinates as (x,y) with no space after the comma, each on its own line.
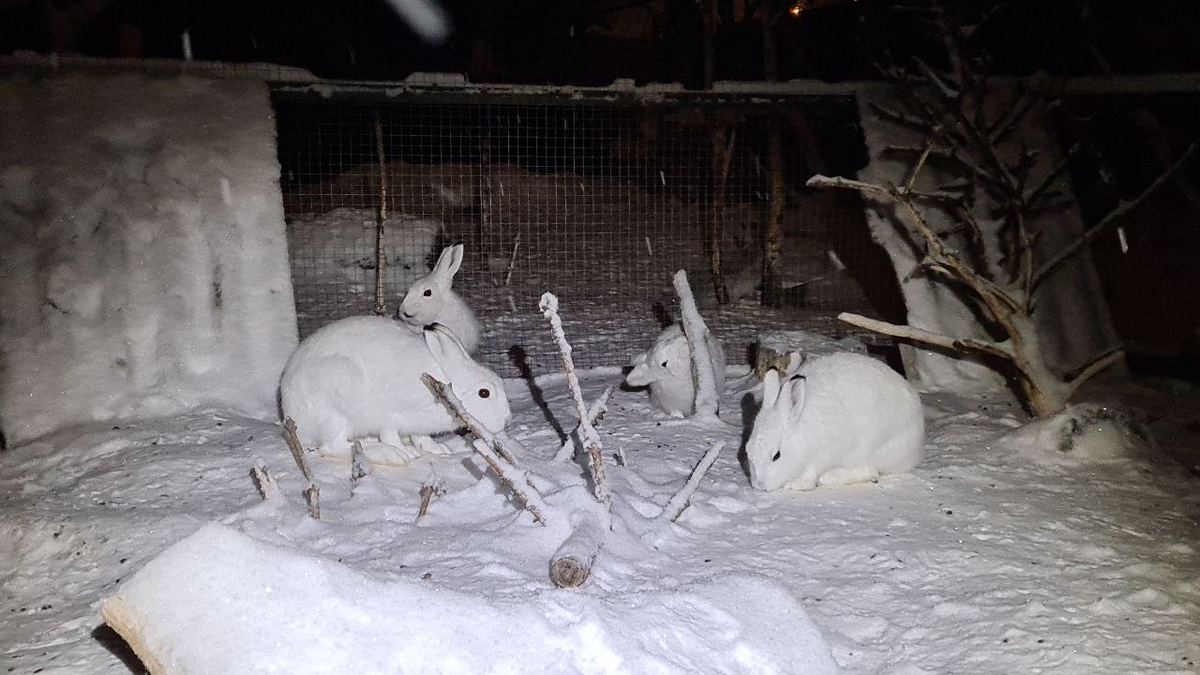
(361,376)
(667,369)
(431,300)
(843,418)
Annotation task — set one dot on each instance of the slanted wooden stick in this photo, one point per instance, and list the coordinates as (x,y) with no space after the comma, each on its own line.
(428,492)
(312,493)
(265,482)
(591,440)
(680,501)
(472,423)
(594,414)
(489,447)
(511,478)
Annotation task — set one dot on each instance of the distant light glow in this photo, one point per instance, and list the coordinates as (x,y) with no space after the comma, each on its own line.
(425,17)
(796,9)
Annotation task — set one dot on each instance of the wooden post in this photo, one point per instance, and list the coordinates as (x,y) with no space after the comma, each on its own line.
(772,279)
(380,216)
(723,140)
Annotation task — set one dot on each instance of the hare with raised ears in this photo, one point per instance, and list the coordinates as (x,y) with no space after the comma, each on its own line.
(667,369)
(842,418)
(431,300)
(361,376)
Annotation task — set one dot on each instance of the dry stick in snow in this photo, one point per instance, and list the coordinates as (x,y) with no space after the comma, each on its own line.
(266,484)
(696,331)
(360,466)
(680,501)
(428,492)
(312,493)
(594,414)
(591,440)
(488,447)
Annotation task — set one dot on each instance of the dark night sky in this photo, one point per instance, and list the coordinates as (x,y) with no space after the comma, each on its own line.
(547,40)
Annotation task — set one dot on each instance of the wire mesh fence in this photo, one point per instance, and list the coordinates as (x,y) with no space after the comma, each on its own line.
(600,204)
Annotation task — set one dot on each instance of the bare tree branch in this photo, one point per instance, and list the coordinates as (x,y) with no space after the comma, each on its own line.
(996,349)
(1115,215)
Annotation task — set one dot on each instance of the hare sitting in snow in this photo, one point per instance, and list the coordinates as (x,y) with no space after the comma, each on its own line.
(361,376)
(431,300)
(842,418)
(667,369)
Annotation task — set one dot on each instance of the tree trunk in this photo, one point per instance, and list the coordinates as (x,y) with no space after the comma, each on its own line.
(772,280)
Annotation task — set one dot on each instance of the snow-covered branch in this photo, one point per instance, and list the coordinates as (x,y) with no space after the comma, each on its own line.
(675,507)
(706,404)
(489,447)
(928,337)
(594,414)
(587,433)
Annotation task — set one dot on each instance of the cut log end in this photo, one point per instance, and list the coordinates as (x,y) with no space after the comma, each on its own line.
(568,572)
(125,622)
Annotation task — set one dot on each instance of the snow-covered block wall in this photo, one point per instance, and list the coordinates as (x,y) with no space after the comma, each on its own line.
(144,260)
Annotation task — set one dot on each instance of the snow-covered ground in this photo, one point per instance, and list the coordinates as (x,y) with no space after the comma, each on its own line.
(995,557)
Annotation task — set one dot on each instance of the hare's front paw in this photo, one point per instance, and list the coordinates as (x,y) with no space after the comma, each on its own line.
(426,445)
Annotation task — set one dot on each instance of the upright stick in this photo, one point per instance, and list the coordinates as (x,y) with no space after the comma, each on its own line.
(381,216)
(694,328)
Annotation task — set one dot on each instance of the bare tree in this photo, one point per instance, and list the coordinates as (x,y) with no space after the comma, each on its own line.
(988,187)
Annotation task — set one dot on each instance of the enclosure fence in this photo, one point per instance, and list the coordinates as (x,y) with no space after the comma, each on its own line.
(599,199)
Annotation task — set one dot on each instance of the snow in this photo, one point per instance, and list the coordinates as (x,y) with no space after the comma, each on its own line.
(995,556)
(1001,553)
(300,613)
(144,261)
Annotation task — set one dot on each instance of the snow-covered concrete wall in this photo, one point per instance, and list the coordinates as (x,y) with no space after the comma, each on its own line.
(143,258)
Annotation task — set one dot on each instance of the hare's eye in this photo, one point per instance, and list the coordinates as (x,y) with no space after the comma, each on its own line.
(664,364)
(776,457)
(484,393)
(427,293)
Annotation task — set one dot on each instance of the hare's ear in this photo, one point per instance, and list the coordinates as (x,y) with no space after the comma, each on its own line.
(446,348)
(795,360)
(770,389)
(448,263)
(797,389)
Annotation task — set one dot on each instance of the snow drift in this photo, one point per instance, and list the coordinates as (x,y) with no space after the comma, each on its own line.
(251,607)
(145,262)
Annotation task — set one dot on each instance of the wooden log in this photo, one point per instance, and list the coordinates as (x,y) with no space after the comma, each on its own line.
(571,564)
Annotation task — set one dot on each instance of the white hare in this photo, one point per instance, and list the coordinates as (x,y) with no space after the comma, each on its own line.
(841,418)
(431,300)
(667,369)
(361,376)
